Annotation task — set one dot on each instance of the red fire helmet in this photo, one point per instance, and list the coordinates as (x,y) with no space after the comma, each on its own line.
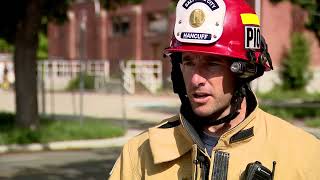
(227,28)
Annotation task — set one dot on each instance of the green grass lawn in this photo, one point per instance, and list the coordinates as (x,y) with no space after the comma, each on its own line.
(309,115)
(288,113)
(313,123)
(56,130)
(278,94)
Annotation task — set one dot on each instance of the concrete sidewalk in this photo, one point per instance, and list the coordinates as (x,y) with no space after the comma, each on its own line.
(102,105)
(141,110)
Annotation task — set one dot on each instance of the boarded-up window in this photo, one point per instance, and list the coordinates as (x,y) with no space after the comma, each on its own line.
(157,23)
(120,25)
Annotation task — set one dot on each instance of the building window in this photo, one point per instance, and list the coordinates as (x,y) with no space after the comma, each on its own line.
(120,25)
(157,23)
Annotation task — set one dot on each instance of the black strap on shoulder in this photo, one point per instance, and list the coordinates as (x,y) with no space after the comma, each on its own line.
(242,135)
(170,124)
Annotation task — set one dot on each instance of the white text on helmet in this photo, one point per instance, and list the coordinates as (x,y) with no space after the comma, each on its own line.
(200,36)
(211,3)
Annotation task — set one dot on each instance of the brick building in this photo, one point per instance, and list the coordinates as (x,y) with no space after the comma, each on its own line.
(141,32)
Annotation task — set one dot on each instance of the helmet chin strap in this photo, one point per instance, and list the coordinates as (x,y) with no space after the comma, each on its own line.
(186,109)
(199,121)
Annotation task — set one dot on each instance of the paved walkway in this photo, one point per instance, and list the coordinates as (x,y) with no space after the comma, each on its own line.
(137,107)
(142,111)
(59,165)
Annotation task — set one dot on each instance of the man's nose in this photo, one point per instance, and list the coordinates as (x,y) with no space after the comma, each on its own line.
(198,79)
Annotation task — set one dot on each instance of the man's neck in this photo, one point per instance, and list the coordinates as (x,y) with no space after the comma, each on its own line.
(218,130)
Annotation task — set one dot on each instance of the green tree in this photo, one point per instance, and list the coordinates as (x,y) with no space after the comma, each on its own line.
(295,73)
(5,47)
(21,23)
(42,52)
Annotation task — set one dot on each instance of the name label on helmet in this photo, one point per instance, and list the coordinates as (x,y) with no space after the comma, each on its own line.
(198,36)
(196,22)
(211,3)
(252,37)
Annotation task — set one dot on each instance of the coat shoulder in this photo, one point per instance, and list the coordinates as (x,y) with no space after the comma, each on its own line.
(141,138)
(282,128)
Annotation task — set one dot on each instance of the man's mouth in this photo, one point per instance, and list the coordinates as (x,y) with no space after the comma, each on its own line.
(200,97)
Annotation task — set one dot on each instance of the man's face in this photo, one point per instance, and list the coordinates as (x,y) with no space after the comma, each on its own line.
(209,83)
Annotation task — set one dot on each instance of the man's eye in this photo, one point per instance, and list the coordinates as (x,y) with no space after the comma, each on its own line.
(213,64)
(187,63)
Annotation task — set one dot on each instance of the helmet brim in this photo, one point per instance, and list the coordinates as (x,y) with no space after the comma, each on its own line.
(211,50)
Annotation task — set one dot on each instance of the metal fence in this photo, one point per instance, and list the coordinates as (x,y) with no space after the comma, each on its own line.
(147,72)
(60,72)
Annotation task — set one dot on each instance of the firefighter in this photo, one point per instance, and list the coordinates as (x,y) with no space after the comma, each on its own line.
(220,133)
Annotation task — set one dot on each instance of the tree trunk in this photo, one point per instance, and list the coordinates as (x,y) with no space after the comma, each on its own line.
(26,44)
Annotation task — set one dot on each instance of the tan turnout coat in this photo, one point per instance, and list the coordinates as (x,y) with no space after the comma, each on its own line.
(169,151)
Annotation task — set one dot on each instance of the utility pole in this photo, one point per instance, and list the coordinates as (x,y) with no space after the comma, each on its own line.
(83,29)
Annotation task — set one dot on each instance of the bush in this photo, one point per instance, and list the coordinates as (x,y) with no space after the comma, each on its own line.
(295,71)
(5,46)
(42,52)
(6,120)
(88,80)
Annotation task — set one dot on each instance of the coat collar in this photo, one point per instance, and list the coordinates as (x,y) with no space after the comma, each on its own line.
(171,142)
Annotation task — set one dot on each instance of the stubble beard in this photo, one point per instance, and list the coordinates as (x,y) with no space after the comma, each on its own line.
(214,110)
